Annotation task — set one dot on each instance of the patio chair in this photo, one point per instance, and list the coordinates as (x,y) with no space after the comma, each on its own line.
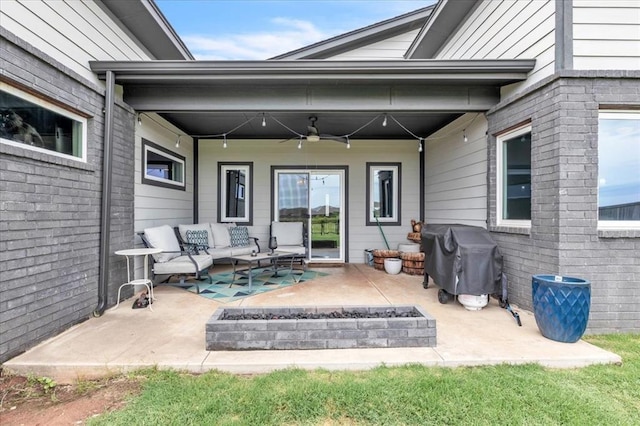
(291,238)
(174,261)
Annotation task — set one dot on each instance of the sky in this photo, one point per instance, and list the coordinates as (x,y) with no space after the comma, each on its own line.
(261,29)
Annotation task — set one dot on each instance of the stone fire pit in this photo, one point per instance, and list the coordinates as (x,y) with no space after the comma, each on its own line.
(327,327)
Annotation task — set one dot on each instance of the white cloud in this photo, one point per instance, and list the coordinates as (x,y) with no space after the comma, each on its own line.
(290,34)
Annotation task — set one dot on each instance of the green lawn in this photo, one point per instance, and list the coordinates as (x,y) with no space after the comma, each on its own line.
(411,395)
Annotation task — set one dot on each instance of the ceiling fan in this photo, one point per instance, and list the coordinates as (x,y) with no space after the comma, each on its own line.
(314,135)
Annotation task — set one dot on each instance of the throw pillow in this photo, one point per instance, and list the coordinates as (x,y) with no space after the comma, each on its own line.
(239,236)
(199,239)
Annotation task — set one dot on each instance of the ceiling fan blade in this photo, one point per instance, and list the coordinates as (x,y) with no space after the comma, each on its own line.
(333,138)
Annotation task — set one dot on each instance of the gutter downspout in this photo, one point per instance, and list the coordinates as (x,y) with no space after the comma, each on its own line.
(421,177)
(105,210)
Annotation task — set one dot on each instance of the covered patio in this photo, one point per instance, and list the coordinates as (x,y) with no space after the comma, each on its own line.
(173,334)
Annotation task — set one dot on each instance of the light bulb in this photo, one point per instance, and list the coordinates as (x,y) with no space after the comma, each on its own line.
(464,135)
(224,143)
(139,120)
(420,145)
(300,144)
(178,142)
(384,122)
(264,121)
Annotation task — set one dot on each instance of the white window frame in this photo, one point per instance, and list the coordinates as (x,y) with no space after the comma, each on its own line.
(148,146)
(372,170)
(616,224)
(500,179)
(54,108)
(246,192)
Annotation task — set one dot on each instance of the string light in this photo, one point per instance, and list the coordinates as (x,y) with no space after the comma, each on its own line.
(300,144)
(464,135)
(348,143)
(178,142)
(139,120)
(224,142)
(420,145)
(384,122)
(264,121)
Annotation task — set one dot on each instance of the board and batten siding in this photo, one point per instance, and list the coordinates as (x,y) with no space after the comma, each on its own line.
(508,30)
(71,32)
(391,48)
(154,205)
(265,153)
(606,34)
(456,173)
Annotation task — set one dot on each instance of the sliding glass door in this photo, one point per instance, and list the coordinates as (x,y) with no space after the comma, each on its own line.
(316,198)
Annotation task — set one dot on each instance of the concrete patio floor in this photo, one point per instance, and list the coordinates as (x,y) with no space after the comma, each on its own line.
(173,334)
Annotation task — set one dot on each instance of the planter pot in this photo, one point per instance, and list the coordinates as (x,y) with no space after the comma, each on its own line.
(393,266)
(561,306)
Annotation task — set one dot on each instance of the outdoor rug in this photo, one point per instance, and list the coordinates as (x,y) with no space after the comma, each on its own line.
(220,291)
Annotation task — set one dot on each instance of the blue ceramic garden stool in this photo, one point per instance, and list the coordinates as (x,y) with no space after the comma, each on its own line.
(561,306)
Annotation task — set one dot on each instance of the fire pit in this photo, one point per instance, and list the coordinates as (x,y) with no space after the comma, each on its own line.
(321,327)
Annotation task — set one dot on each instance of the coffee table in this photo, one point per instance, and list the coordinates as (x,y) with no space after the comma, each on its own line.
(254,263)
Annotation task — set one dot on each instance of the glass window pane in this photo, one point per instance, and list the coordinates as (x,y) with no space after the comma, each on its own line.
(28,123)
(234,192)
(619,166)
(162,167)
(517,177)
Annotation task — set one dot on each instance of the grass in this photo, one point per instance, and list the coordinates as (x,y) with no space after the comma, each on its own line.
(410,395)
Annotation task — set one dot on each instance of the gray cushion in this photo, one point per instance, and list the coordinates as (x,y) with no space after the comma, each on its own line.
(164,238)
(287,233)
(183,265)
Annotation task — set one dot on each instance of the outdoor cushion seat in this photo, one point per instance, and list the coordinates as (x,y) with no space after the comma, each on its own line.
(174,260)
(220,244)
(290,237)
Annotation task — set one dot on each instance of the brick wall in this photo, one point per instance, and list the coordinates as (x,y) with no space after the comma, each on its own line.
(564,238)
(50,210)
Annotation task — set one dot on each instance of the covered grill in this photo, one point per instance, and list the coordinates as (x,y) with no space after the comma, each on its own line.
(462,260)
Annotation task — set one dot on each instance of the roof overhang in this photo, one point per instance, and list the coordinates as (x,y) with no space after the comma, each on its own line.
(146,23)
(210,97)
(443,21)
(496,72)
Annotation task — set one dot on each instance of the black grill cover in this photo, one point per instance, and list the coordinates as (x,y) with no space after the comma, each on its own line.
(467,252)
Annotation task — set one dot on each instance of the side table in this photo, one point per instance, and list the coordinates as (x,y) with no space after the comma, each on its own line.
(145,281)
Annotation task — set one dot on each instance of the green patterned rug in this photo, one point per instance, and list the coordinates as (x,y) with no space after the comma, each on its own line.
(220,291)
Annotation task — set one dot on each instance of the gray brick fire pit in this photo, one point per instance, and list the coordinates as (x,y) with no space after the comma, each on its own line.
(395,328)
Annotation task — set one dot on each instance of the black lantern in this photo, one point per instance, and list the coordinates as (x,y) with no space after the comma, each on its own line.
(273,244)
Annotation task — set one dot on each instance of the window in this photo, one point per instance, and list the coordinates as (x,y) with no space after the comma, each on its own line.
(619,169)
(161,167)
(383,193)
(514,178)
(32,123)
(234,192)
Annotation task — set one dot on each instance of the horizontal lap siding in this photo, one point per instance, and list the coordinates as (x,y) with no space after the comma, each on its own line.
(392,48)
(456,173)
(72,32)
(263,154)
(508,30)
(606,35)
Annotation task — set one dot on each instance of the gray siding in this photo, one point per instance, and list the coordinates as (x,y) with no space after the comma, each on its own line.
(564,238)
(50,210)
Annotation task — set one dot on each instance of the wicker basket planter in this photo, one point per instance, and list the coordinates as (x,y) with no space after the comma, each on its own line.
(380,255)
(412,263)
